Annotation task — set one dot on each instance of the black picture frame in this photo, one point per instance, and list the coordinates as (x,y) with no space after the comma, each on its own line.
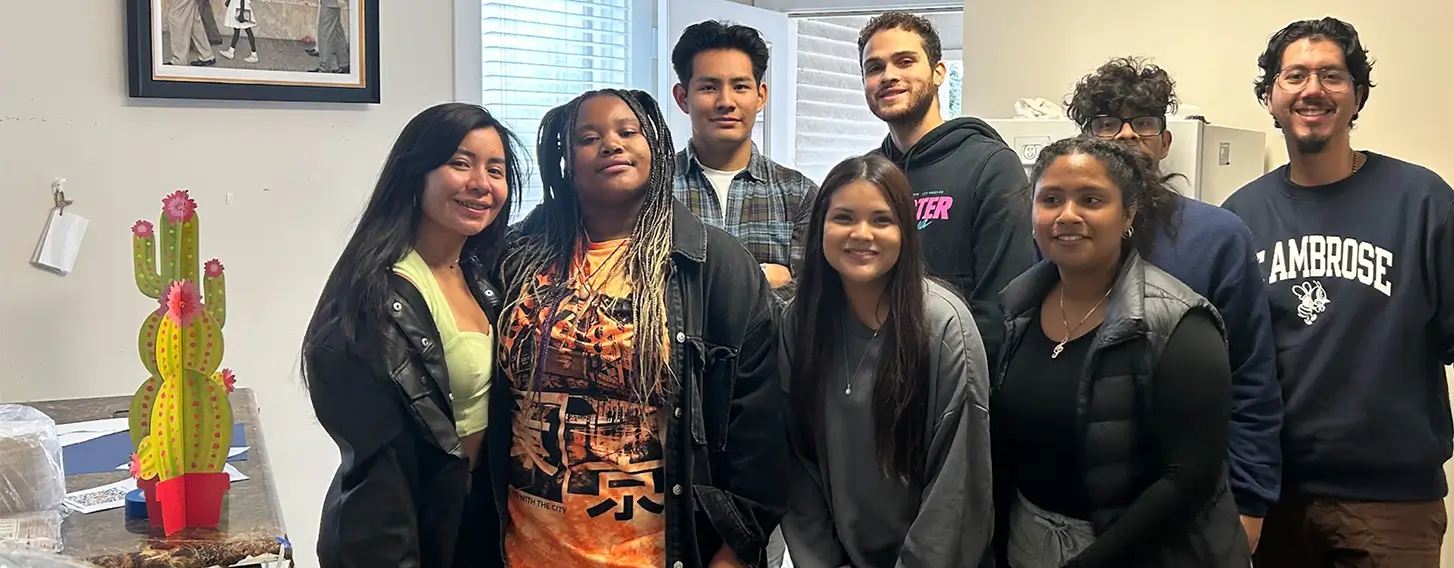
(151,76)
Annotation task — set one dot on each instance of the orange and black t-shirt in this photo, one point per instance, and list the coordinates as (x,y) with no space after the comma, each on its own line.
(585,478)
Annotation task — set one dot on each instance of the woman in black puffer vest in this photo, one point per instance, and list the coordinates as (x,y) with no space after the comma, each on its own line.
(1110,411)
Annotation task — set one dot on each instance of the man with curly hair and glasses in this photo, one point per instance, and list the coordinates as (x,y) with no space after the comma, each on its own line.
(1357,249)
(1127,100)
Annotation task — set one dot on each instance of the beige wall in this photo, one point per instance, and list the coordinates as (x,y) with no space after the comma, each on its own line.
(299,174)
(1039,48)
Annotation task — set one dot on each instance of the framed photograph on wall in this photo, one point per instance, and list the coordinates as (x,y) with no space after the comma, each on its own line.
(254,50)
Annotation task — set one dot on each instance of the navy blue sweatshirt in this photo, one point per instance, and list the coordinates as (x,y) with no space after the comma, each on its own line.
(968,185)
(1213,255)
(1360,277)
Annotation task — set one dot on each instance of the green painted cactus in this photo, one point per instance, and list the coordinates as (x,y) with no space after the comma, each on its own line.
(156,269)
(190,417)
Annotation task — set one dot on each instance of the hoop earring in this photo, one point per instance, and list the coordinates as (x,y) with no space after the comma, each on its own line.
(1129,231)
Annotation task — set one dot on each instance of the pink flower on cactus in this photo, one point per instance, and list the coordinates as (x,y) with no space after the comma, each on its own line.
(135,466)
(213,268)
(228,379)
(184,302)
(142,229)
(179,207)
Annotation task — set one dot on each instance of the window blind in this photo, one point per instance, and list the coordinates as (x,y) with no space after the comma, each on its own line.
(538,54)
(833,120)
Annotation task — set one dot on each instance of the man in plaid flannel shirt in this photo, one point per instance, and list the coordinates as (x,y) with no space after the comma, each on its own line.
(721,176)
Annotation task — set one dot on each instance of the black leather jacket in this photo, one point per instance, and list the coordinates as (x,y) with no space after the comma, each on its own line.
(725,448)
(401,495)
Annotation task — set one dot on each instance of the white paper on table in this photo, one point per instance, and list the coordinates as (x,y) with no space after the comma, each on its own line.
(77,432)
(113,495)
(103,498)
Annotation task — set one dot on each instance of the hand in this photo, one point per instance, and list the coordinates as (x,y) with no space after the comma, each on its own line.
(725,558)
(1253,527)
(777,274)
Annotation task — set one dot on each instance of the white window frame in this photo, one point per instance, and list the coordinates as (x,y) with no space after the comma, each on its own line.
(469,51)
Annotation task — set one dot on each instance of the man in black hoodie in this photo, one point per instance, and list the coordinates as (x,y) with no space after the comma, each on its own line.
(966,180)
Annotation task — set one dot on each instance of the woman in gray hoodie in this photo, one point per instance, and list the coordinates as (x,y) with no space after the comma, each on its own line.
(889,387)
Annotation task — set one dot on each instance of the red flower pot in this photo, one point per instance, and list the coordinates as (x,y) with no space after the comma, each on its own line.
(153,507)
(192,500)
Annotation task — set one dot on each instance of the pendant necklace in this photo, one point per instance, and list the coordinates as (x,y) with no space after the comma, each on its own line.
(848,381)
(1068,330)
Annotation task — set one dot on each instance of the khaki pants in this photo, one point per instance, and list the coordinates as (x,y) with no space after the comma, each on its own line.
(1315,532)
(186,32)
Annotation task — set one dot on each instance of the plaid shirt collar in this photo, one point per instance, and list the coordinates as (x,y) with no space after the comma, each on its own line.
(757,164)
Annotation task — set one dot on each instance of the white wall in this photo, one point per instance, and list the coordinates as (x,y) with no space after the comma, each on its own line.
(1043,47)
(299,174)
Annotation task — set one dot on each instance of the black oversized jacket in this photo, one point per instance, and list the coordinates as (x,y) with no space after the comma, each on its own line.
(402,495)
(725,452)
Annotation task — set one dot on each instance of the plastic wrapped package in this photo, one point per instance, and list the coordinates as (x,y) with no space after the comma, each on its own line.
(16,557)
(32,478)
(34,531)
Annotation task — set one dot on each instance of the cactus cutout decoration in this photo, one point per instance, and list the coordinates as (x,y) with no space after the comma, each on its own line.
(181,418)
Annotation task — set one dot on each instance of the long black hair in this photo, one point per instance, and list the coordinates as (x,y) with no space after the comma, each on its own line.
(1143,187)
(900,397)
(546,240)
(353,300)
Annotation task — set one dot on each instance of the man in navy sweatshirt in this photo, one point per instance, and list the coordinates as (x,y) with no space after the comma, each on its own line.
(966,180)
(1357,249)
(1128,100)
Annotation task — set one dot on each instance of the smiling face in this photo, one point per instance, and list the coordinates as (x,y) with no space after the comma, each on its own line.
(899,82)
(610,156)
(1079,217)
(466,193)
(1317,113)
(861,235)
(723,97)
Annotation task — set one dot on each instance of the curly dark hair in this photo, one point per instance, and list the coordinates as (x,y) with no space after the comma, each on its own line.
(710,35)
(1355,56)
(1122,83)
(903,21)
(1142,185)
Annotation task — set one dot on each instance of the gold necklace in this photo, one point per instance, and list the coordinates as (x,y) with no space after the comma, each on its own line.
(1068,330)
(1358,160)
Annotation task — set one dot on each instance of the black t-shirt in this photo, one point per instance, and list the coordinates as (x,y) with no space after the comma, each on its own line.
(1035,410)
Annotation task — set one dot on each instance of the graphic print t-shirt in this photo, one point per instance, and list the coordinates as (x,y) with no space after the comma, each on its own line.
(585,470)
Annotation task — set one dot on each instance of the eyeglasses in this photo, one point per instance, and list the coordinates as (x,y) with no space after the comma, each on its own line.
(1107,126)
(1295,79)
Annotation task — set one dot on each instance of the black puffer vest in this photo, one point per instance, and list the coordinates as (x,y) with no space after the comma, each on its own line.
(1116,456)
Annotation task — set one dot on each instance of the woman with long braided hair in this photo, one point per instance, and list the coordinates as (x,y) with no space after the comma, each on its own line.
(640,350)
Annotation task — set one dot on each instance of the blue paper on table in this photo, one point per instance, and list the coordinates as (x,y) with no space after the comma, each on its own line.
(103,454)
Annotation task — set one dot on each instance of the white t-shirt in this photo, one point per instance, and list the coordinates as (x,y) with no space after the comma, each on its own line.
(721,181)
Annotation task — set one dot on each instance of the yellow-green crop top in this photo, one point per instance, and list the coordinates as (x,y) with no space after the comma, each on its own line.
(468,355)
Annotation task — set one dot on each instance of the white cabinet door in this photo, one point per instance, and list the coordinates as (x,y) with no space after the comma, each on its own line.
(774,131)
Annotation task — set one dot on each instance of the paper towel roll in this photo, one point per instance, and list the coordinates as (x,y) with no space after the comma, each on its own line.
(31,476)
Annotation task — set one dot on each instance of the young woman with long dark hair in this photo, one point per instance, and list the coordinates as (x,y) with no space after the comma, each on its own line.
(400,353)
(639,346)
(889,389)
(1114,393)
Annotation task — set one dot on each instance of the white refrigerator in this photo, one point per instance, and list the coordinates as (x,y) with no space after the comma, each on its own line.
(1215,160)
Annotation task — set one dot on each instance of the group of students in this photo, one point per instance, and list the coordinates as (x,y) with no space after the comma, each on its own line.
(689,358)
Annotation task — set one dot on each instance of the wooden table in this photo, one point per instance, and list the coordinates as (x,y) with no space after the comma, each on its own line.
(251,532)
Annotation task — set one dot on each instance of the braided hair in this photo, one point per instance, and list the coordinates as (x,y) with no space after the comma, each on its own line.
(546,240)
(1143,187)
